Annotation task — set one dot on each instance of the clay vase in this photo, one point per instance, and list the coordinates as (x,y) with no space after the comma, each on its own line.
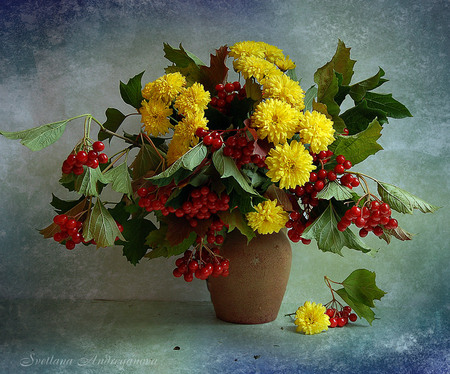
(259,273)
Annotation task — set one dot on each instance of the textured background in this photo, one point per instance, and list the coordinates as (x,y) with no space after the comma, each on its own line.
(62,58)
(67,58)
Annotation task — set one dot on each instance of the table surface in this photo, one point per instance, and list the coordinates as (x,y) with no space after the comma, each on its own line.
(96,336)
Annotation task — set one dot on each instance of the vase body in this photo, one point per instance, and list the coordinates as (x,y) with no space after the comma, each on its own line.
(259,273)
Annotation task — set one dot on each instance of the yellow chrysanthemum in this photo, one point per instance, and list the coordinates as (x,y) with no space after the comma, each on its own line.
(272,53)
(311,318)
(154,118)
(184,136)
(289,164)
(192,100)
(165,88)
(268,218)
(285,63)
(276,120)
(256,67)
(247,48)
(317,131)
(284,88)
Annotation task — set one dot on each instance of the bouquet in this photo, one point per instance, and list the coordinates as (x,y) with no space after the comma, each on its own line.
(215,153)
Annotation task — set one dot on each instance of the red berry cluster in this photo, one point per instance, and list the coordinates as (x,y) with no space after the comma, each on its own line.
(340,318)
(153,198)
(71,231)
(211,235)
(241,149)
(347,179)
(74,162)
(210,138)
(201,203)
(297,224)
(226,94)
(201,265)
(374,217)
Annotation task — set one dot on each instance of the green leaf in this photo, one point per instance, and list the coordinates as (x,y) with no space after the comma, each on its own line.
(135,232)
(360,286)
(120,211)
(358,90)
(327,80)
(403,201)
(291,73)
(336,191)
(114,119)
(146,160)
(39,137)
(310,95)
(161,246)
(363,311)
(190,160)
(120,180)
(185,63)
(329,238)
(358,147)
(387,104)
(227,168)
(62,206)
(101,226)
(235,219)
(359,117)
(132,91)
(87,183)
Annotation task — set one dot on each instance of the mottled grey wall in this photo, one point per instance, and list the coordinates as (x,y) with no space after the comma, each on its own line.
(63,58)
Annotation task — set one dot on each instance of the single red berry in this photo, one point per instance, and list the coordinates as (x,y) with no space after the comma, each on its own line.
(356,211)
(322,174)
(319,185)
(378,231)
(217,143)
(177,273)
(208,139)
(92,155)
(71,159)
(339,169)
(98,146)
(222,95)
(201,132)
(188,277)
(331,176)
(333,322)
(342,321)
(330,312)
(340,159)
(70,244)
(347,309)
(102,158)
(221,103)
(219,87)
(347,164)
(229,87)
(60,219)
(82,157)
(353,317)
(237,86)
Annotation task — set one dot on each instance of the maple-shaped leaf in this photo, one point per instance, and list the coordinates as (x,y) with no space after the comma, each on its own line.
(359,292)
(135,232)
(75,211)
(235,219)
(120,180)
(329,239)
(327,80)
(87,183)
(358,147)
(101,226)
(217,71)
